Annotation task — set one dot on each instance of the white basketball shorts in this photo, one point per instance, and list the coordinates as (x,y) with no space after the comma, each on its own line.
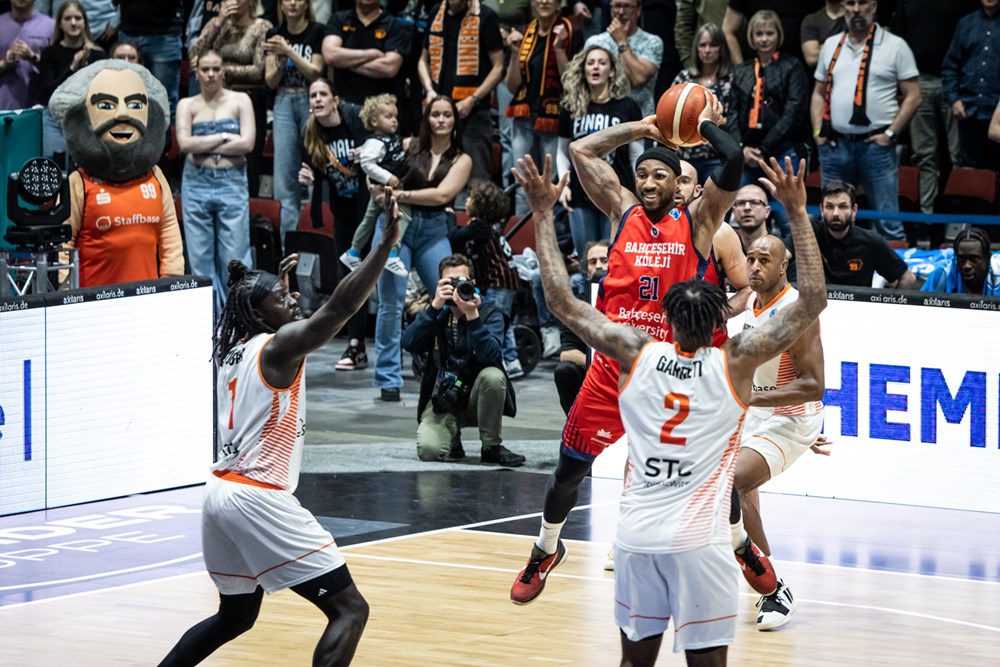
(780,439)
(252,535)
(698,589)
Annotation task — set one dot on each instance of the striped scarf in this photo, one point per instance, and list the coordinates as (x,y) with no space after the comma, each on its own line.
(540,97)
(467,78)
(858,117)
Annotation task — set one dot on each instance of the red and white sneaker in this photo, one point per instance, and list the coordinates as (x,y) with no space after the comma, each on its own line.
(531,580)
(756,568)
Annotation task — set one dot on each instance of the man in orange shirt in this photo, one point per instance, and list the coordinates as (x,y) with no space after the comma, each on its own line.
(114,116)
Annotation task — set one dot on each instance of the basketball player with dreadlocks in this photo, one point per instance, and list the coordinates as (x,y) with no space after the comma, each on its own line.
(682,405)
(654,245)
(256,536)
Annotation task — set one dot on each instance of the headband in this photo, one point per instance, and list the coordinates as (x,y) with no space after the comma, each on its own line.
(262,286)
(664,155)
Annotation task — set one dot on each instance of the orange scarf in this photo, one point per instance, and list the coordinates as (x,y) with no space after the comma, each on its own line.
(467,63)
(540,98)
(858,117)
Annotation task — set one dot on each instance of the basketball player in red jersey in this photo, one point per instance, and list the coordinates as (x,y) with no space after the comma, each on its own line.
(654,246)
(672,548)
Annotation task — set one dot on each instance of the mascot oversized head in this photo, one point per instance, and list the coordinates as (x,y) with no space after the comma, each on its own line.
(115,116)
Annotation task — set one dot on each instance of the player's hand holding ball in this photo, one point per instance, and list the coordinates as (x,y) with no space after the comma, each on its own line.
(682,108)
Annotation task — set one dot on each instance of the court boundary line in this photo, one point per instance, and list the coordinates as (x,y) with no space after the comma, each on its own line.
(604,579)
(469,527)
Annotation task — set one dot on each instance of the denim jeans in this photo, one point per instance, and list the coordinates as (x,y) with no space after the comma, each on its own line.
(503,299)
(876,167)
(587,224)
(505,130)
(526,140)
(291,110)
(422,247)
(161,54)
(545,318)
(53,140)
(215,208)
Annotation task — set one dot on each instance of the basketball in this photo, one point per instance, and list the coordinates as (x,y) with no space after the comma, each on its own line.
(677,113)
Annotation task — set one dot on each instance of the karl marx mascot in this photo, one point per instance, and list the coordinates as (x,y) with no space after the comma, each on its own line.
(114,115)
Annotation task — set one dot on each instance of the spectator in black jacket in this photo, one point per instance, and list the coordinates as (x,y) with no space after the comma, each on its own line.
(770,98)
(464,383)
(770,103)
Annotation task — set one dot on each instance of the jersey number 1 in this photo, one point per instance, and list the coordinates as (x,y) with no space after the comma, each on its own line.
(232,404)
(683,407)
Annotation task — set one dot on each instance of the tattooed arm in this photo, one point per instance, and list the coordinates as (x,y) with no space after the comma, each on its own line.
(753,347)
(597,177)
(617,341)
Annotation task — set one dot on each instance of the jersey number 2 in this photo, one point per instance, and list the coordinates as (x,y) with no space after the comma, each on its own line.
(683,407)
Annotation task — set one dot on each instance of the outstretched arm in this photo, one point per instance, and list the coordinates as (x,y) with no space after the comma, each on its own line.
(294,341)
(597,177)
(755,346)
(717,198)
(620,342)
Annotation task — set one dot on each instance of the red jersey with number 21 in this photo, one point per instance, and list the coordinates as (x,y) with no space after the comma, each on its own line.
(644,260)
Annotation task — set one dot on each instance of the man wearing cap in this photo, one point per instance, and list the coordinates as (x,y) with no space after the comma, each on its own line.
(654,245)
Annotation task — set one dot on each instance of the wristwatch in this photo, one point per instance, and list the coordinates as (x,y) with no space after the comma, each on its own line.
(622,48)
(892,135)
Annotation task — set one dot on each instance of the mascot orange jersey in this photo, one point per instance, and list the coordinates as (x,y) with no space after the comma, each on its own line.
(119,230)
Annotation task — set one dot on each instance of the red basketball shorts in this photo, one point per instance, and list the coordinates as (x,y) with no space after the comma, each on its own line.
(594,422)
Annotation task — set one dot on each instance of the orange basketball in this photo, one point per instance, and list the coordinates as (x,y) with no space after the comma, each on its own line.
(678,110)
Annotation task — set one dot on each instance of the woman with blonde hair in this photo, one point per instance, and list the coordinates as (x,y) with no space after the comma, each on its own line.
(72,47)
(538,57)
(712,69)
(770,98)
(596,95)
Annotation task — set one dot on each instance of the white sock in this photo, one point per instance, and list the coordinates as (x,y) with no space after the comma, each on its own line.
(739,535)
(548,537)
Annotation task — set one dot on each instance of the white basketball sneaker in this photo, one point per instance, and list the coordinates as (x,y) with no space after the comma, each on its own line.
(776,608)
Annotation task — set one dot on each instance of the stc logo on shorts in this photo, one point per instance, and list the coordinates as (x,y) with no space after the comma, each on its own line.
(106,222)
(888,408)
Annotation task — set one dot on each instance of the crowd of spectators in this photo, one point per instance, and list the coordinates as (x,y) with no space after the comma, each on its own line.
(851,86)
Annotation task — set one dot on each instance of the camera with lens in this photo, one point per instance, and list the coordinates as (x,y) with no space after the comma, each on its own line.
(464,289)
(450,394)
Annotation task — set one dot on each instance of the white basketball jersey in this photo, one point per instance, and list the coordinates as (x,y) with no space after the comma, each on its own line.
(261,428)
(683,423)
(778,371)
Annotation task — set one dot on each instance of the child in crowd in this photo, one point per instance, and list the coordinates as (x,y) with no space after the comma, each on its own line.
(381,157)
(482,241)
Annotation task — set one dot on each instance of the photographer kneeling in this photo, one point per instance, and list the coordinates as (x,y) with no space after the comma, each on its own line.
(464,383)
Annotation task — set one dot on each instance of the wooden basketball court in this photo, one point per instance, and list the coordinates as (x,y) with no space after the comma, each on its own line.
(440,597)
